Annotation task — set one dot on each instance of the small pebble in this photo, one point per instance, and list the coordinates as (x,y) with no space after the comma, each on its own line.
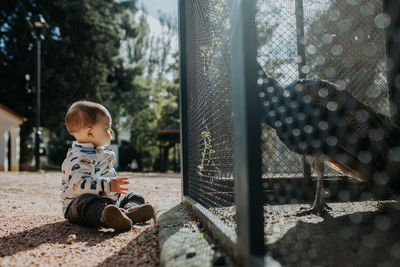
(190,252)
(71,239)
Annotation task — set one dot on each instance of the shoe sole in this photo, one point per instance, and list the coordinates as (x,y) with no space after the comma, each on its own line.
(141,213)
(114,218)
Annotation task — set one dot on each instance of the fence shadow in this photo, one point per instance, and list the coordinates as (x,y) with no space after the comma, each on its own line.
(53,233)
(358,239)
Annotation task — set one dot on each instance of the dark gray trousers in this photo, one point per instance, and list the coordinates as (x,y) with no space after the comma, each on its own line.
(86,209)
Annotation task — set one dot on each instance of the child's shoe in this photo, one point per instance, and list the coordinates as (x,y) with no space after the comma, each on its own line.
(113,217)
(141,213)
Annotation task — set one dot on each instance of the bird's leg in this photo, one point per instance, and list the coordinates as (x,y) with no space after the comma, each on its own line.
(319,206)
(306,169)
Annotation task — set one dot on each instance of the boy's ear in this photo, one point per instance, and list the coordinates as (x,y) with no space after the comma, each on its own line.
(89,132)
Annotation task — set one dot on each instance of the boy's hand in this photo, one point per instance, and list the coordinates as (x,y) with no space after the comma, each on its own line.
(117,183)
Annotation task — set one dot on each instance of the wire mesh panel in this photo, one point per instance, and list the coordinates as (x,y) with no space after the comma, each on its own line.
(325,94)
(343,43)
(277,53)
(209,103)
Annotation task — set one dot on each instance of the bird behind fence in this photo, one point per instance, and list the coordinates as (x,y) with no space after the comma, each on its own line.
(324,122)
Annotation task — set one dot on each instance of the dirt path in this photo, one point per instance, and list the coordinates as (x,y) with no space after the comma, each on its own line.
(33,232)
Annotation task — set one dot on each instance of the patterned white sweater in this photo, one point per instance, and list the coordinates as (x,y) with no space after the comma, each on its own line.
(86,170)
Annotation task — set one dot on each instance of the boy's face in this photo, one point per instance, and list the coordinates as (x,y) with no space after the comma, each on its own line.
(102,132)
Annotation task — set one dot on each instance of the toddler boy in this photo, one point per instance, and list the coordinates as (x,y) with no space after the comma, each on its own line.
(92,193)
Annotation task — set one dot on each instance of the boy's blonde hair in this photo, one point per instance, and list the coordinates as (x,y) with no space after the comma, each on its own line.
(83,114)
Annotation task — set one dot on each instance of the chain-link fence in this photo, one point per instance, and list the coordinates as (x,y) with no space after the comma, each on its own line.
(209,103)
(341,42)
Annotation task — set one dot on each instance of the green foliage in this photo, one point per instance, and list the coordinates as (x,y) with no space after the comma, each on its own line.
(79,56)
(155,100)
(206,135)
(97,50)
(58,145)
(157,110)
(81,62)
(15,52)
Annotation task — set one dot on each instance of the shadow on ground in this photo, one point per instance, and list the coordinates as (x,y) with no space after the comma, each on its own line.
(358,239)
(136,252)
(53,233)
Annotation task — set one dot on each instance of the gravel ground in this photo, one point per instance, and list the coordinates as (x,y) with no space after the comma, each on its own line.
(34,233)
(363,233)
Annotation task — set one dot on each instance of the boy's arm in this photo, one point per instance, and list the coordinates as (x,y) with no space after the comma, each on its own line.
(109,173)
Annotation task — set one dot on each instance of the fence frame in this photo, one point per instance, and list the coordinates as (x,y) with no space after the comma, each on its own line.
(226,237)
(392,7)
(248,247)
(183,98)
(247,166)
(249,250)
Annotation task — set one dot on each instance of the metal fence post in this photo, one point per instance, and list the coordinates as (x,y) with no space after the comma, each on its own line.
(392,8)
(299,10)
(246,135)
(183,97)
